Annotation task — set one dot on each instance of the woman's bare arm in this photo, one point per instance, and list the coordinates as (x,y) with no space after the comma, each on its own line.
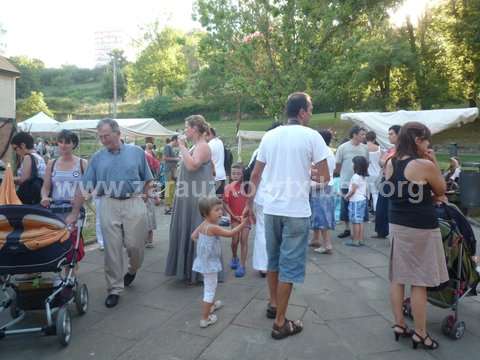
(47,181)
(201,154)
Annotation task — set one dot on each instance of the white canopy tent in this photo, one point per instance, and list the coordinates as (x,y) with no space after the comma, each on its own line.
(435,120)
(132,128)
(40,124)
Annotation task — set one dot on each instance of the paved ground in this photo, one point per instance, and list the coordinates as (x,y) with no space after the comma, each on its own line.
(344,304)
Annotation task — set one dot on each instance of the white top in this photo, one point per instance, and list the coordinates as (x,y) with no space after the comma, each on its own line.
(374,166)
(344,156)
(288,153)
(361,192)
(41,166)
(456,174)
(259,197)
(218,158)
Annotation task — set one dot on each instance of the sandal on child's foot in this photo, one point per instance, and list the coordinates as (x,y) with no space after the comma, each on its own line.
(215,306)
(288,328)
(240,272)
(271,311)
(212,319)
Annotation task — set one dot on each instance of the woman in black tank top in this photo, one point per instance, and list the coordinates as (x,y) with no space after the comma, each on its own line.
(417,257)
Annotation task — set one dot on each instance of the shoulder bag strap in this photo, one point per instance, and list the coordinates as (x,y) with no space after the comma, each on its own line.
(34,170)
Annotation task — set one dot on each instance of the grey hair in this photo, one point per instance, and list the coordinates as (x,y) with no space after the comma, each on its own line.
(110,122)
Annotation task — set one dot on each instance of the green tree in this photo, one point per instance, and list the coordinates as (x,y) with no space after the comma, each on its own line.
(29,80)
(456,23)
(33,105)
(161,67)
(268,49)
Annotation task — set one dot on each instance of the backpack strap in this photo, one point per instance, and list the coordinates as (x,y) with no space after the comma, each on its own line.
(51,174)
(34,170)
(81,166)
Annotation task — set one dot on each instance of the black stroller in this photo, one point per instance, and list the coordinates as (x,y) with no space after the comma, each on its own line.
(32,241)
(460,245)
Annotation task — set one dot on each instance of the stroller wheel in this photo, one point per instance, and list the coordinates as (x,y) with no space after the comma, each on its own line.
(452,328)
(14,310)
(64,326)
(458,330)
(81,299)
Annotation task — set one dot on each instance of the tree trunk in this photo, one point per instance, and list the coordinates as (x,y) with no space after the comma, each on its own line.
(419,79)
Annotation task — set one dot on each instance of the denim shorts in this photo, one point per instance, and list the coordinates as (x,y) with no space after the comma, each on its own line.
(287,241)
(356,211)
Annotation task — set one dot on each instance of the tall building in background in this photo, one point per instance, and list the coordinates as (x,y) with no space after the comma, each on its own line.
(105,42)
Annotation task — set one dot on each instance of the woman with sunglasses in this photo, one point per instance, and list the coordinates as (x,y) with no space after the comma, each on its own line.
(62,177)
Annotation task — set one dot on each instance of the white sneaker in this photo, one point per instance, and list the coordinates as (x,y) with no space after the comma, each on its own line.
(212,319)
(216,305)
(322,250)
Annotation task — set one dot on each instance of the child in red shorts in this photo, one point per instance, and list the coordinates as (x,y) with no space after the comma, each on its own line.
(235,200)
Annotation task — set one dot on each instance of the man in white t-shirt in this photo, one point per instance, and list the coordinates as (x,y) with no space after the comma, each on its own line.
(218,159)
(344,156)
(284,160)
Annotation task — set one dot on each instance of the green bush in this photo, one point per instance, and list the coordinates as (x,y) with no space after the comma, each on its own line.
(62,104)
(168,109)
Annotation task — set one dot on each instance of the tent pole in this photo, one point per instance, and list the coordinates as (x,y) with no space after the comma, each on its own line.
(239,149)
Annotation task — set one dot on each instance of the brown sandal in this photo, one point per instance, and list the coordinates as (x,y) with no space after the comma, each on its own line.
(289,328)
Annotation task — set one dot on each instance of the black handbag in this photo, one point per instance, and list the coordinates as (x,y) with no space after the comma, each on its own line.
(29,192)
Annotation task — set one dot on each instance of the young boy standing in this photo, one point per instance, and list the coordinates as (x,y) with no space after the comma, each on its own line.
(235,200)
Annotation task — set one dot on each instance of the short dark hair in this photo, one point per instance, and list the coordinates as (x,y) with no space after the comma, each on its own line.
(296,102)
(326,135)
(22,137)
(212,131)
(355,130)
(69,137)
(371,136)
(395,128)
(238,165)
(360,165)
(174,138)
(206,204)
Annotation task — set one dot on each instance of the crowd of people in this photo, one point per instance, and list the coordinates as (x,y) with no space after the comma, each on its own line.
(288,188)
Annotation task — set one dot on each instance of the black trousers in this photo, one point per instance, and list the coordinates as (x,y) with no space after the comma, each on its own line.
(381,214)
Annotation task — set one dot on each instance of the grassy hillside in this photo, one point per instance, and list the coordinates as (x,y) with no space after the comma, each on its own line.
(466,136)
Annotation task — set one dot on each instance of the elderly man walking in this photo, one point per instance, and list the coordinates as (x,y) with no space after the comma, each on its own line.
(120,175)
(284,166)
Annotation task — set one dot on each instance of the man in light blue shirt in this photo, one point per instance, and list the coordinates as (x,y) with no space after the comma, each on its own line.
(120,175)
